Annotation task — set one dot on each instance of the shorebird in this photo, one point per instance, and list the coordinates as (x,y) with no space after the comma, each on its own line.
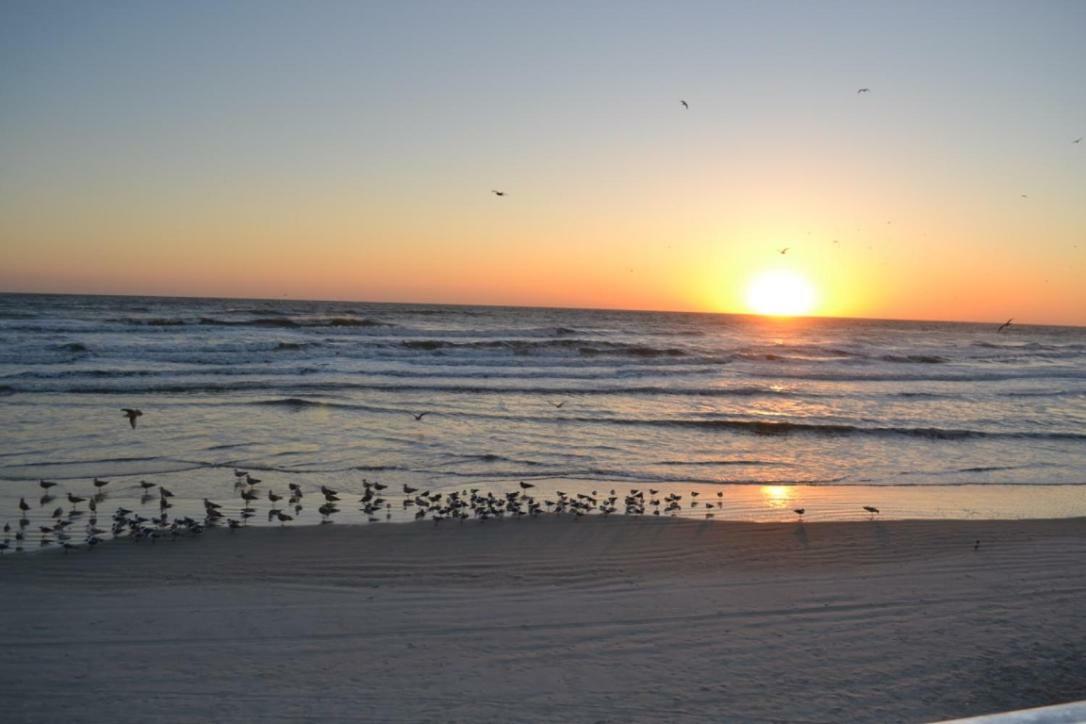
(99,483)
(273,497)
(146,485)
(783,251)
(1005,325)
(23,505)
(685,105)
(239,473)
(45,484)
(408,489)
(871,509)
(75,499)
(420,415)
(525,486)
(497,193)
(131,414)
(864,90)
(800,511)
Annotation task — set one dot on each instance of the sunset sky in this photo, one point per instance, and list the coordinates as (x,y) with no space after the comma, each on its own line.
(348,151)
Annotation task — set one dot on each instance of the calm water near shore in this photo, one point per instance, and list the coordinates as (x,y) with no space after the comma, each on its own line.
(921,419)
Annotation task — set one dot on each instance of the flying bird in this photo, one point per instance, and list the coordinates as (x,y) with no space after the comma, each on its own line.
(1005,325)
(497,193)
(784,250)
(419,416)
(864,90)
(685,105)
(131,414)
(1077,140)
(558,405)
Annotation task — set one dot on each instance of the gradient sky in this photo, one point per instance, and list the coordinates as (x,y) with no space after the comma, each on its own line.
(347,151)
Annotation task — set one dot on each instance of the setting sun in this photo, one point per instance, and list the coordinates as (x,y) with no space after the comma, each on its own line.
(780,293)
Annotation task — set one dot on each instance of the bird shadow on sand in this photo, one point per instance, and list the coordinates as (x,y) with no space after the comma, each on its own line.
(800,532)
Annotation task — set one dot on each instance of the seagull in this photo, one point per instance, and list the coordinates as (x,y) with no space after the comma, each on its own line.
(685,105)
(420,415)
(784,250)
(1005,325)
(131,414)
(23,505)
(800,511)
(525,485)
(871,509)
(497,193)
(99,483)
(45,484)
(864,90)
(558,405)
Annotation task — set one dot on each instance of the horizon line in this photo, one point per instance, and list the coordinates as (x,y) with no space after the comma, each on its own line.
(532,306)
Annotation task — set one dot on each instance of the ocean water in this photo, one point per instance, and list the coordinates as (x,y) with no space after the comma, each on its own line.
(922,419)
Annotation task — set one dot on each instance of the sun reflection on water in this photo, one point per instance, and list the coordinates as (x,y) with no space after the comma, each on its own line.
(777,496)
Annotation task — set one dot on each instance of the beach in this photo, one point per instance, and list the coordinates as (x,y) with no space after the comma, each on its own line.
(552,619)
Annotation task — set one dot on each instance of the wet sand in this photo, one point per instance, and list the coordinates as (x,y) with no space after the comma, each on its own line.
(553,619)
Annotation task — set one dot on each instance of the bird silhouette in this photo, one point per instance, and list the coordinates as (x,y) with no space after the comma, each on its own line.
(800,511)
(420,415)
(871,509)
(1005,325)
(1077,140)
(784,250)
(497,193)
(131,414)
(558,405)
(685,105)
(864,90)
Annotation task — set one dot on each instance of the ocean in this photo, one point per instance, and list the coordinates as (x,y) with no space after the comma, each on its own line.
(761,415)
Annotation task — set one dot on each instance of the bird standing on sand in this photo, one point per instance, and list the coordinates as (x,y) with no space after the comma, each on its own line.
(45,484)
(131,414)
(1005,325)
(99,483)
(800,511)
(871,509)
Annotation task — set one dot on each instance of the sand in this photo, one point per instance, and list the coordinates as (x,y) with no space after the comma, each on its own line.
(552,620)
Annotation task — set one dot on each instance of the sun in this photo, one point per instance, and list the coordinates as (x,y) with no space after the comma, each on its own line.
(780,293)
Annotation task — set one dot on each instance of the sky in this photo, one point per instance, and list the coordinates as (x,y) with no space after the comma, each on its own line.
(348,151)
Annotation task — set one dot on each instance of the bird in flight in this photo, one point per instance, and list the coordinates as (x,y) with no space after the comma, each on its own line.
(1005,325)
(497,193)
(419,416)
(131,414)
(1025,196)
(864,90)
(1077,140)
(558,405)
(784,250)
(687,105)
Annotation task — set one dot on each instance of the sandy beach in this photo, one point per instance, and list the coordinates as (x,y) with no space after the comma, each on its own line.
(553,619)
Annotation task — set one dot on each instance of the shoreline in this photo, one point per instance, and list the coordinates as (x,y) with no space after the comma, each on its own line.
(552,619)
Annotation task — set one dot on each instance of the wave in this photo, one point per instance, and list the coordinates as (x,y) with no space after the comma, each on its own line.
(520,346)
(914,358)
(265,321)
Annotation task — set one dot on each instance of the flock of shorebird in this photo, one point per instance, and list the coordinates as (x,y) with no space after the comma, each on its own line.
(79,528)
